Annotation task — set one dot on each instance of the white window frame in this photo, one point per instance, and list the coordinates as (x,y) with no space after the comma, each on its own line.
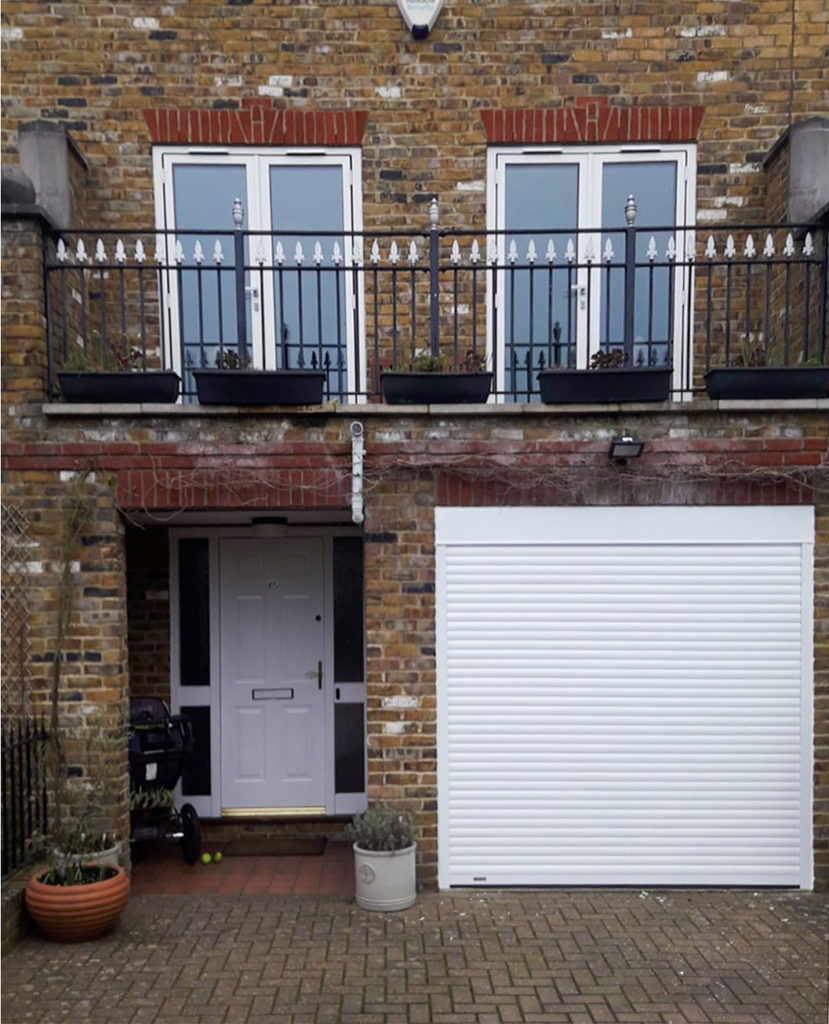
(590,161)
(257,163)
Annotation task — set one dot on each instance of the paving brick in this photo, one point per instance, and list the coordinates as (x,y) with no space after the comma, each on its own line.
(691,957)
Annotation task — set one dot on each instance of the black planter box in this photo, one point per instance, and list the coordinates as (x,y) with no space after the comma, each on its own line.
(625,384)
(436,388)
(259,387)
(119,387)
(768,382)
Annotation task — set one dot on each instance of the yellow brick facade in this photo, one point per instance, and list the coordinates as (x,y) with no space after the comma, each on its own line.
(105,70)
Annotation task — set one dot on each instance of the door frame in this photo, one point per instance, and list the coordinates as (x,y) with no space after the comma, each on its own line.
(210,806)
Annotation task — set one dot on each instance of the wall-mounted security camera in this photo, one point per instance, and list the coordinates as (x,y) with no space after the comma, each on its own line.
(420,15)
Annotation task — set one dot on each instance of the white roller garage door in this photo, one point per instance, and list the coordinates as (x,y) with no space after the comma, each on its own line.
(624,696)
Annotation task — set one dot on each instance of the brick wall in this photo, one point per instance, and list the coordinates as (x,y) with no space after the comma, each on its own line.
(107,69)
(148,611)
(99,68)
(23,353)
(92,655)
(694,455)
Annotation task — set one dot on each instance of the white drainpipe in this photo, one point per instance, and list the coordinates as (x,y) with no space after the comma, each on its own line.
(357,451)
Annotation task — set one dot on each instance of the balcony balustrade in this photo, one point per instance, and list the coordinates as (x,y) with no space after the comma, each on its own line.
(691,298)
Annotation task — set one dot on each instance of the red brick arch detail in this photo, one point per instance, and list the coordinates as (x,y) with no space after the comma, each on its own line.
(257,123)
(592,122)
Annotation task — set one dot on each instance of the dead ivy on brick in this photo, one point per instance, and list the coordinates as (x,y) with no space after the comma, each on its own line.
(77,514)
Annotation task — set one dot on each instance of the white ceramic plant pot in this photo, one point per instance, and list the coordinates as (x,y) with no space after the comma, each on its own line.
(384,879)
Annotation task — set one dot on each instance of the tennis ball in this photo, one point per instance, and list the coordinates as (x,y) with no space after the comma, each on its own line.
(206,858)
(217,856)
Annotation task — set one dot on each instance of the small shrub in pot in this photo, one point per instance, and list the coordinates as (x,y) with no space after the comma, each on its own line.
(385,875)
(382,827)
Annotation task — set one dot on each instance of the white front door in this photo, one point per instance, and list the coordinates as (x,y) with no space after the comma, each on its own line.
(272,675)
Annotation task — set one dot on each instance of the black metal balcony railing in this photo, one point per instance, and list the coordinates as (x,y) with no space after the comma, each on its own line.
(353,304)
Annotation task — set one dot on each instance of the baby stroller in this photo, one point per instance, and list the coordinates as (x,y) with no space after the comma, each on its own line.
(158,744)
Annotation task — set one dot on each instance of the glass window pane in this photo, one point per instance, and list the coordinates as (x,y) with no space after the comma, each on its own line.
(203,199)
(309,306)
(349,653)
(349,748)
(194,612)
(195,773)
(541,206)
(653,184)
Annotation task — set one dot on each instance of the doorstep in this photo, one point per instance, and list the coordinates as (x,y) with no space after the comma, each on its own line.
(159,868)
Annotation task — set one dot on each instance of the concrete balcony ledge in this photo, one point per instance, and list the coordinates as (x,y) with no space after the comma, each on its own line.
(63,410)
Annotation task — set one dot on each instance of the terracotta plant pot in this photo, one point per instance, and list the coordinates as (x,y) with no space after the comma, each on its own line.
(77,913)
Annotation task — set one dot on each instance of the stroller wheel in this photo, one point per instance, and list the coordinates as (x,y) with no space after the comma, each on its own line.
(191,840)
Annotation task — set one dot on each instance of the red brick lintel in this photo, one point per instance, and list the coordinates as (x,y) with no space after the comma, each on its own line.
(592,122)
(257,124)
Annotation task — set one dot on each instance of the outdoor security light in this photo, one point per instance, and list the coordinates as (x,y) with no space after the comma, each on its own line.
(625,447)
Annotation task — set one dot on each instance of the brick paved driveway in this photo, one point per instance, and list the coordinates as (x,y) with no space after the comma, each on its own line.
(462,958)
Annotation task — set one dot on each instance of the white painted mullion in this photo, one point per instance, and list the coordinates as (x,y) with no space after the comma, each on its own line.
(215,678)
(496,218)
(589,205)
(356,370)
(263,341)
(167,280)
(328,671)
(196,695)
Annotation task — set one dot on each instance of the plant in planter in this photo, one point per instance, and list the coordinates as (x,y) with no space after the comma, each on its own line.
(235,382)
(83,891)
(107,373)
(750,376)
(384,858)
(607,379)
(432,379)
(77,896)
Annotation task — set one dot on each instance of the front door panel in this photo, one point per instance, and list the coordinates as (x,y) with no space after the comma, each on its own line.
(272,672)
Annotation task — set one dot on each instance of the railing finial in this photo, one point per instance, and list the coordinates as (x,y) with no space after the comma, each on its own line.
(238,214)
(630,211)
(434,215)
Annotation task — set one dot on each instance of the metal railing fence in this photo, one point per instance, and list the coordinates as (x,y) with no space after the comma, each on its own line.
(521,300)
(24,800)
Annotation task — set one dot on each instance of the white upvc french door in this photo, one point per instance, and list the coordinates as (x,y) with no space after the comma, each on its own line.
(298,289)
(561,218)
